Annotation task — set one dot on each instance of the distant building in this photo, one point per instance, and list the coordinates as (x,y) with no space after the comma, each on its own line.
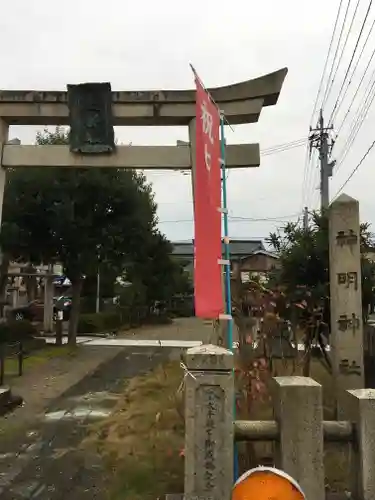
(248,256)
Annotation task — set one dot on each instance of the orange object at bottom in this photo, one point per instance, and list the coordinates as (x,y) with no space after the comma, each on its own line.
(266,483)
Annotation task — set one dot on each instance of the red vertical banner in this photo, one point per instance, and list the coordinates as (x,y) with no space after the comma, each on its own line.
(207,216)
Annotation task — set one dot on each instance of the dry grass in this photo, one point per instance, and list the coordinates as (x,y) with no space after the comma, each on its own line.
(143,439)
(141,442)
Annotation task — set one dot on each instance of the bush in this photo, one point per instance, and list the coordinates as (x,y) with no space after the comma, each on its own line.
(14,331)
(182,308)
(160,319)
(98,322)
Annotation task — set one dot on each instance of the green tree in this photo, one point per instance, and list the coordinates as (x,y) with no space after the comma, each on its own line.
(156,272)
(304,262)
(78,217)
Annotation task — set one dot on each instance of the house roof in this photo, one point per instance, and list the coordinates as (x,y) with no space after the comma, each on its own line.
(263,252)
(237,248)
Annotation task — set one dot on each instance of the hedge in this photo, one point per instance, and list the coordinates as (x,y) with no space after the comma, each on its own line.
(13,331)
(98,322)
(121,318)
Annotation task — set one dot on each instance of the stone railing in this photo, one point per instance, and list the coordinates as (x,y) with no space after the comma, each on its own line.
(298,430)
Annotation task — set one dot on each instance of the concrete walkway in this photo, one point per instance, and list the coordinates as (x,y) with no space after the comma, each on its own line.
(182,333)
(123,342)
(43,459)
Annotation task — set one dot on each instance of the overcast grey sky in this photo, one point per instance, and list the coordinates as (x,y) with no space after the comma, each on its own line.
(146,45)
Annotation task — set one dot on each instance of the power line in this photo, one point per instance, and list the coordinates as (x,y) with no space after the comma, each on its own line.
(330,80)
(342,53)
(308,158)
(283,147)
(251,219)
(357,89)
(278,146)
(354,170)
(358,121)
(281,218)
(326,62)
(338,103)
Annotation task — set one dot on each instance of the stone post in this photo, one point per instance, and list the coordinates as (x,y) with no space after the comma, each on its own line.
(48,304)
(361,411)
(346,298)
(299,412)
(209,435)
(4,130)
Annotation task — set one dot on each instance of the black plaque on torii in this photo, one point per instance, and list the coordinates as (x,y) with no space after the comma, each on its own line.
(91,118)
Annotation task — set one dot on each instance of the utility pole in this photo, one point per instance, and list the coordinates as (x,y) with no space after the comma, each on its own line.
(305,218)
(320,139)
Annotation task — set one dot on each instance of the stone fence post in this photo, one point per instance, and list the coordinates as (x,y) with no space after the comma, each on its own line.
(360,409)
(209,430)
(298,409)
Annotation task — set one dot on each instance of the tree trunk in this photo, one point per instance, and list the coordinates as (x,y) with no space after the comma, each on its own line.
(74,313)
(4,266)
(30,283)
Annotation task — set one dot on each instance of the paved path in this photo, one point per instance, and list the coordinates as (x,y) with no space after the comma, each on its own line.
(182,333)
(44,383)
(42,459)
(123,342)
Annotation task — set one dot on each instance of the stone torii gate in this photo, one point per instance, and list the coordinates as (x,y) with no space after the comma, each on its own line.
(241,103)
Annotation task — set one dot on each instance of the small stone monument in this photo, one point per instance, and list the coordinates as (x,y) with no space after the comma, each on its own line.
(209,423)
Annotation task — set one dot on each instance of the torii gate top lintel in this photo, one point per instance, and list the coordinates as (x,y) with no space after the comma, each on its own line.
(241,102)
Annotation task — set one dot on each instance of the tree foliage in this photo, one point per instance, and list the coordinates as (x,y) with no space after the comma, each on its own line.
(82,217)
(303,271)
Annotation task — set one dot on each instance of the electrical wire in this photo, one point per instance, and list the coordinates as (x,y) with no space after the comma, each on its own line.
(339,102)
(357,125)
(357,90)
(354,170)
(343,48)
(281,218)
(358,122)
(330,80)
(283,147)
(307,163)
(278,146)
(352,57)
(326,62)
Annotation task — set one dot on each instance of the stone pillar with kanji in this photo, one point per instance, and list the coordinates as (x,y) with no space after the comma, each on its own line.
(346,338)
(209,431)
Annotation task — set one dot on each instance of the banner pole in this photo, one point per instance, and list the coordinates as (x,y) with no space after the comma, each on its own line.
(228,301)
